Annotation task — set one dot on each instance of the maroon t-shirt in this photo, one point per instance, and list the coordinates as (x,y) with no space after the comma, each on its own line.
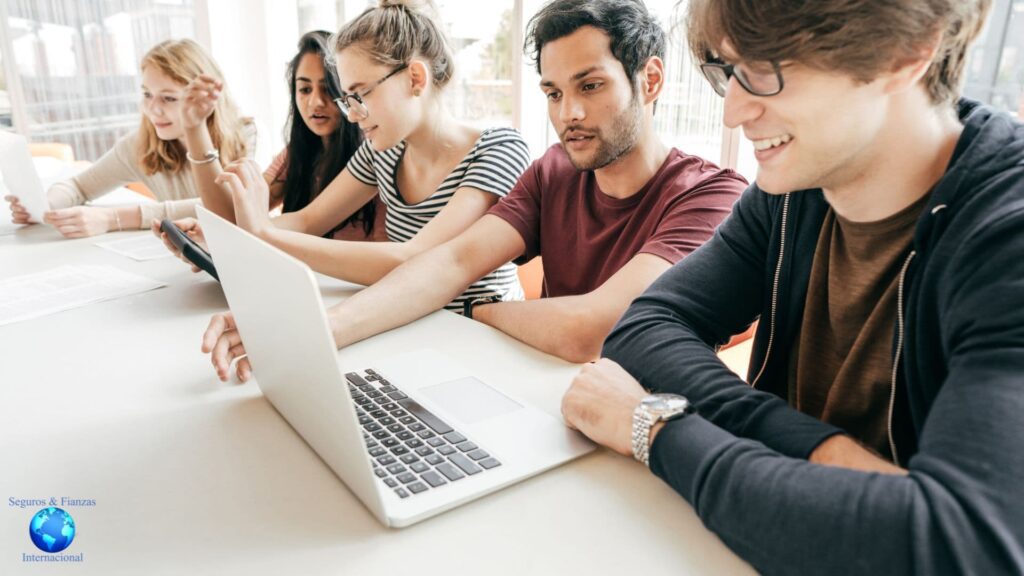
(586,236)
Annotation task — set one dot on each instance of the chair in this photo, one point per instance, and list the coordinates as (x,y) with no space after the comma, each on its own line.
(140,188)
(531,276)
(57,150)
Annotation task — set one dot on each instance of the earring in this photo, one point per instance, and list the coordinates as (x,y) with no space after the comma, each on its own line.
(416,92)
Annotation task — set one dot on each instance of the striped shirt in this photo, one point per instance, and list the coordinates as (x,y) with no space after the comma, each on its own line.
(493,165)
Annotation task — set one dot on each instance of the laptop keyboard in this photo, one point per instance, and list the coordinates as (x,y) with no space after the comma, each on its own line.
(412,449)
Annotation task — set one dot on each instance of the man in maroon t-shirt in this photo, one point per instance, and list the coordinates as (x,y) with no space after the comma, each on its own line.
(609,209)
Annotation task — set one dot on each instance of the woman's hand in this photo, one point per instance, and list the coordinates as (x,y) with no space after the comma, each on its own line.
(19,215)
(191,228)
(250,194)
(81,221)
(199,100)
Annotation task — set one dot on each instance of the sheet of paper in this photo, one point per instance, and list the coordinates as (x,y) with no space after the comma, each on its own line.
(65,288)
(19,175)
(140,247)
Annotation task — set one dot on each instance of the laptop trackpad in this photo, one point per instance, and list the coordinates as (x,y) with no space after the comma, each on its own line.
(470,400)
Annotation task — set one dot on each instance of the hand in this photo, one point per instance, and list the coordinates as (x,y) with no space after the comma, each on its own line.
(199,100)
(19,215)
(191,228)
(81,221)
(224,344)
(251,195)
(600,404)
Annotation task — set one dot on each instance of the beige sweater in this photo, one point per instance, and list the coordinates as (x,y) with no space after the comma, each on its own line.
(176,193)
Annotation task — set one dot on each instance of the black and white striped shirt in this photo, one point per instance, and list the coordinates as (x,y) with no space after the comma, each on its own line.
(493,165)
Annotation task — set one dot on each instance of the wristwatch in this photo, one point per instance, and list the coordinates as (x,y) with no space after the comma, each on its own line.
(467,305)
(209,156)
(652,409)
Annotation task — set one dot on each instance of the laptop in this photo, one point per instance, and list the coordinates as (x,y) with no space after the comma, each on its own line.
(412,437)
(20,177)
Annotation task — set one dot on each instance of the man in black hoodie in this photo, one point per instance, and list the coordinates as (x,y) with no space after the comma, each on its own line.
(882,250)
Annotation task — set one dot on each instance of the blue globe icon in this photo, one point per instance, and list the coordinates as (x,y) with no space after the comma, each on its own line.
(52,529)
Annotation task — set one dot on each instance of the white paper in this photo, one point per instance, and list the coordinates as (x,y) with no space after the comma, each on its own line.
(140,248)
(19,175)
(65,288)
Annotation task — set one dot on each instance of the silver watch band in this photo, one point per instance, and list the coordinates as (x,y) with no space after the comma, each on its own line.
(642,422)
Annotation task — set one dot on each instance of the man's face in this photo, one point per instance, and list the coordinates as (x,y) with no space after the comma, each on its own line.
(591,101)
(818,132)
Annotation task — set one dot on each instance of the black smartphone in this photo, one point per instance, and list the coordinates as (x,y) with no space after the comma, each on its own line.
(188,247)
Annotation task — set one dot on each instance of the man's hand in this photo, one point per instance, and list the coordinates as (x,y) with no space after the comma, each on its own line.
(191,227)
(81,221)
(224,344)
(600,404)
(249,193)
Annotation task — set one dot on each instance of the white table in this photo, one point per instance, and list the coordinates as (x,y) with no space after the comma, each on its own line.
(114,402)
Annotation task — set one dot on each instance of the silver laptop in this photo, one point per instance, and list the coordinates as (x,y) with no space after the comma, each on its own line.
(20,177)
(412,438)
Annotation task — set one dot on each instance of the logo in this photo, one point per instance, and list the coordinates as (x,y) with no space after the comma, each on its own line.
(52,529)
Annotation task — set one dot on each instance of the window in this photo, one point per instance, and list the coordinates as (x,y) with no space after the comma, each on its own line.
(689,114)
(71,67)
(482,89)
(6,121)
(995,64)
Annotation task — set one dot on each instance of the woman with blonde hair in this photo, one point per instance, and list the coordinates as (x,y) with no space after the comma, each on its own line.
(176,151)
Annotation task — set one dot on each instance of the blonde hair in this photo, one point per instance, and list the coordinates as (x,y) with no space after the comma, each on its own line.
(182,61)
(395,31)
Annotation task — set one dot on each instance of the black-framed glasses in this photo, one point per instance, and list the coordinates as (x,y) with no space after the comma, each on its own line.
(759,81)
(352,105)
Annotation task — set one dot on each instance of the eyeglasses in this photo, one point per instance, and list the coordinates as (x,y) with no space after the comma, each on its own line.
(352,105)
(759,82)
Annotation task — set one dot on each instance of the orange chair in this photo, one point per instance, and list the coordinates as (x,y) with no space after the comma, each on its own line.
(740,338)
(56,150)
(531,276)
(140,188)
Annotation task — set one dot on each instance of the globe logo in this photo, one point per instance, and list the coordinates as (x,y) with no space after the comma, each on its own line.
(52,529)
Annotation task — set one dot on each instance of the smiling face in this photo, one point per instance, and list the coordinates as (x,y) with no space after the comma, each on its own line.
(391,106)
(312,97)
(591,102)
(818,132)
(161,103)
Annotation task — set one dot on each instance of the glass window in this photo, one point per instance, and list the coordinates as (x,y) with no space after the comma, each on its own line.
(482,89)
(689,114)
(995,64)
(6,118)
(77,65)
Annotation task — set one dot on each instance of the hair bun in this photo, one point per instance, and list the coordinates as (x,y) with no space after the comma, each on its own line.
(421,6)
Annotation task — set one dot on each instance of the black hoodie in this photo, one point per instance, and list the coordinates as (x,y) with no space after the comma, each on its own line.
(957,408)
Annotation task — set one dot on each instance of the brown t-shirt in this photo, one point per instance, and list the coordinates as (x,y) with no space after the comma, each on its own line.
(840,367)
(586,236)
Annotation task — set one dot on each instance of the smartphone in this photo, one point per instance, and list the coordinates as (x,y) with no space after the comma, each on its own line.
(188,247)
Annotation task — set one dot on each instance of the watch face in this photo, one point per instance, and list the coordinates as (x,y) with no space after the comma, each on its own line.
(666,405)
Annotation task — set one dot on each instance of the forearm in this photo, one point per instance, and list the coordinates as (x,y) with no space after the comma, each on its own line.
(359,262)
(559,326)
(198,142)
(126,218)
(293,221)
(64,195)
(436,277)
(786,515)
